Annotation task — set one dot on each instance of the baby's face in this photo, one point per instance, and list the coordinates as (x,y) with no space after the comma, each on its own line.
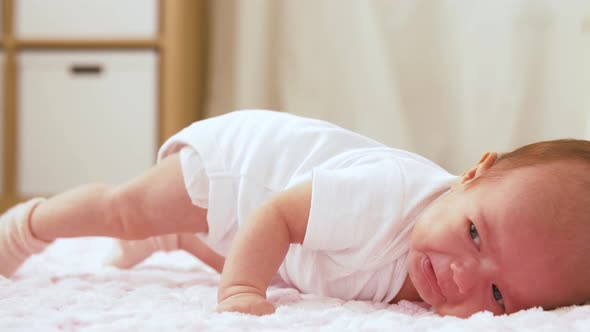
(491,247)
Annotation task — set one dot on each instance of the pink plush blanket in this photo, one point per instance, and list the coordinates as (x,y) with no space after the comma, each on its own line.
(67,288)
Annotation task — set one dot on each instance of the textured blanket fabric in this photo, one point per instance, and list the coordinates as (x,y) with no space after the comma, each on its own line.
(68,289)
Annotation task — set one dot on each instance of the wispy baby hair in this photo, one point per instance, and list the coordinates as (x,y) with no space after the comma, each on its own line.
(546,152)
(573,174)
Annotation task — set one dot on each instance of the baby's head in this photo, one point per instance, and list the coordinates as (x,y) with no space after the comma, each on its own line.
(512,233)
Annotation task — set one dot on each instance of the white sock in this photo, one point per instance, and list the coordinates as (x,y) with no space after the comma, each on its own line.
(17,243)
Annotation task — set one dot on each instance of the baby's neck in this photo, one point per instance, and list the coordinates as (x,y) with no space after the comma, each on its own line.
(408,292)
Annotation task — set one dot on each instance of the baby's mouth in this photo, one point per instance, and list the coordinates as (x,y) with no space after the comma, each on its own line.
(430,275)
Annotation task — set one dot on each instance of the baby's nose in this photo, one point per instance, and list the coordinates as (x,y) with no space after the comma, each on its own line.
(464,275)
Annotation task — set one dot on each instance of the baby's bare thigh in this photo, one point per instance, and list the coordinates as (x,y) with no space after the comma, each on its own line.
(157,203)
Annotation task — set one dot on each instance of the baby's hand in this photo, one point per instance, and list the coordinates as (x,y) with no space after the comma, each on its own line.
(247,303)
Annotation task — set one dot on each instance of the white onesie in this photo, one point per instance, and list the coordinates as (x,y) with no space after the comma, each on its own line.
(365,196)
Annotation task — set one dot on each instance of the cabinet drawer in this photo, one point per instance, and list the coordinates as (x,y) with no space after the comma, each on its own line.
(84,117)
(86,18)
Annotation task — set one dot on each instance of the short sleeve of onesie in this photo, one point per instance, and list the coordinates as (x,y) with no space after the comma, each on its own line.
(350,206)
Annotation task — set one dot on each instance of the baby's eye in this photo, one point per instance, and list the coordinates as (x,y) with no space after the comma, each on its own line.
(497,295)
(474,234)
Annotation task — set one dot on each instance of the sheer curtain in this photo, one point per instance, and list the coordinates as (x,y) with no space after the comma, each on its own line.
(447,79)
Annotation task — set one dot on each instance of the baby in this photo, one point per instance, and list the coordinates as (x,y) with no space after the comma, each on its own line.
(256,193)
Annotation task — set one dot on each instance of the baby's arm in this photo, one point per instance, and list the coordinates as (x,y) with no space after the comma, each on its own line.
(259,249)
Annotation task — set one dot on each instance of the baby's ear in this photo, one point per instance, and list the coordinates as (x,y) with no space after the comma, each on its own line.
(484,164)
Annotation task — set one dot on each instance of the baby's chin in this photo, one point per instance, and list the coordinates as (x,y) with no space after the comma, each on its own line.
(439,309)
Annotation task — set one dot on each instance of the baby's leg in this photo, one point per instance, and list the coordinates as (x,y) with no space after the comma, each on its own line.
(129,253)
(196,247)
(156,203)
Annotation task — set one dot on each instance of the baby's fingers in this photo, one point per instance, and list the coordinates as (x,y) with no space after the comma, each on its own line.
(252,304)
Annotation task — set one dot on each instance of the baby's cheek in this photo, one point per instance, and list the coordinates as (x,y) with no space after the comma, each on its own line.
(426,227)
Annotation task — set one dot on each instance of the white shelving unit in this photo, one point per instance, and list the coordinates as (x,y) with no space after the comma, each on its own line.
(90,88)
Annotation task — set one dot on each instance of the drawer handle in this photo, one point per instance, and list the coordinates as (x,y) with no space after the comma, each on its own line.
(86,69)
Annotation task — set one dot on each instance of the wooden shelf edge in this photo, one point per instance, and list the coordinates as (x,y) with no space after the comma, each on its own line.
(6,43)
(8,201)
(88,44)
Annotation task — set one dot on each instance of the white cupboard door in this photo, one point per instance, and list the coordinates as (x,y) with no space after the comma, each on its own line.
(84,117)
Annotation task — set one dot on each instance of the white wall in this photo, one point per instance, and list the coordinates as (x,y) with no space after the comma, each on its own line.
(449,79)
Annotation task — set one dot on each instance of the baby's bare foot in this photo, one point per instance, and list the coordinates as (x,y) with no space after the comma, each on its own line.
(130,253)
(17,243)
